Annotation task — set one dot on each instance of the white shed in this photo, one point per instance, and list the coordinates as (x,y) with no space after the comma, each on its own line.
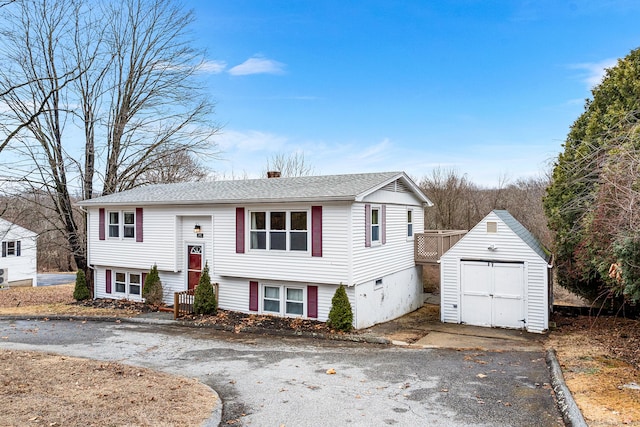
(497,275)
(18,259)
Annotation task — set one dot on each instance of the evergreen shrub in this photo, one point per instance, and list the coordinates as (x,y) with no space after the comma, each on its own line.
(205,300)
(341,315)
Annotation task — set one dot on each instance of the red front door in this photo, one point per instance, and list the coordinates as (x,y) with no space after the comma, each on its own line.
(194,269)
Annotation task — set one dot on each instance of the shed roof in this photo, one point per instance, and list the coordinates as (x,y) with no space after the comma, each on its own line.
(348,187)
(524,234)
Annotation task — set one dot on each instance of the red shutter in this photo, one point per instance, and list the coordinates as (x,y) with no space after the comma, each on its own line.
(101,223)
(367,225)
(253,296)
(138,224)
(108,281)
(240,231)
(316,231)
(312,302)
(144,277)
(383,226)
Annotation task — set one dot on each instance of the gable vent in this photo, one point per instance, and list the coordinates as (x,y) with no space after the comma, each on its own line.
(397,186)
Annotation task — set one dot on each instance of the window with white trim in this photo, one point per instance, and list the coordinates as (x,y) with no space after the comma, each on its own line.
(409,223)
(114,224)
(128,283)
(283,300)
(279,230)
(10,248)
(375,225)
(122,224)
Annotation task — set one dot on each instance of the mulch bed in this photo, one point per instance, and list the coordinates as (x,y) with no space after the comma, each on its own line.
(241,321)
(117,304)
(230,320)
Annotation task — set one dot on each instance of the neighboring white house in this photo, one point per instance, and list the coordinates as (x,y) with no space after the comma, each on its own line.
(19,254)
(498,275)
(276,246)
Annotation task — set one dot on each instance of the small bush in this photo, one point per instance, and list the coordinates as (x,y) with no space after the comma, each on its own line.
(341,315)
(152,290)
(81,291)
(205,300)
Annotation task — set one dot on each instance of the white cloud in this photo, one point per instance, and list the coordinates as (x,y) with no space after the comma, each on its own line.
(249,141)
(593,72)
(212,67)
(258,65)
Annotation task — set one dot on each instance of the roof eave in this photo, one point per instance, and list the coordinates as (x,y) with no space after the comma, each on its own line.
(414,188)
(90,203)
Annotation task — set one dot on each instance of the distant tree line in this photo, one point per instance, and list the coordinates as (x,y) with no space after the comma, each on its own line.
(459,204)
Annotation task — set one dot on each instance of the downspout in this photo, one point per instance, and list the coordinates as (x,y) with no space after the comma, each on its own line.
(350,263)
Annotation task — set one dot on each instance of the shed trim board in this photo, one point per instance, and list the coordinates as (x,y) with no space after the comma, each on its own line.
(504,243)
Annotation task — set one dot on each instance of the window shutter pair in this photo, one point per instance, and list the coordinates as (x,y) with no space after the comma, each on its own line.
(107,281)
(316,231)
(101,224)
(367,225)
(312,299)
(4,249)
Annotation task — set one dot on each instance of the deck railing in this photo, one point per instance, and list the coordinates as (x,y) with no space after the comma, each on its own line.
(183,301)
(432,244)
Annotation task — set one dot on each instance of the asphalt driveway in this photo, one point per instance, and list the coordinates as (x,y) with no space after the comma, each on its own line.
(52,279)
(269,381)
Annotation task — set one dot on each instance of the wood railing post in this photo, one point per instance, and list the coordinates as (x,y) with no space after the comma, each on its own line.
(176,304)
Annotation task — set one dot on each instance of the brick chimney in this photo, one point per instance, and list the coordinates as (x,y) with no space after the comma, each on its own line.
(273,174)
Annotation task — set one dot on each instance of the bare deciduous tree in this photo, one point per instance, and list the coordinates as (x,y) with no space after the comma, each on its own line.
(122,75)
(293,164)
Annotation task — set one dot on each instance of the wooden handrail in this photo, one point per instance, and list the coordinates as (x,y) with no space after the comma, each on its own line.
(183,301)
(432,244)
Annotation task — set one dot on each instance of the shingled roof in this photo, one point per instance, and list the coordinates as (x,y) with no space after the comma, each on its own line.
(524,234)
(351,187)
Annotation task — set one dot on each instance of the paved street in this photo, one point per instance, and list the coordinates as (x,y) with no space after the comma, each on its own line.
(52,279)
(274,381)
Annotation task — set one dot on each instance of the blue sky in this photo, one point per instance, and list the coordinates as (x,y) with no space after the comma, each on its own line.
(488,88)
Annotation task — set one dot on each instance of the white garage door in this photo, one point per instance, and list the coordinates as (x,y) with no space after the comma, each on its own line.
(492,294)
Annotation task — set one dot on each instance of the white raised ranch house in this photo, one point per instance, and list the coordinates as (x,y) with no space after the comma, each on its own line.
(19,260)
(276,246)
(497,275)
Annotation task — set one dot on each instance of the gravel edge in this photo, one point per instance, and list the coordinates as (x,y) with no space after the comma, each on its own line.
(566,404)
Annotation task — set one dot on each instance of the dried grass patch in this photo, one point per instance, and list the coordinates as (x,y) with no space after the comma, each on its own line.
(52,300)
(53,390)
(599,362)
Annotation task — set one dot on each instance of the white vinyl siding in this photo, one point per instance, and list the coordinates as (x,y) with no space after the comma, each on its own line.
(397,254)
(164,228)
(21,268)
(292,266)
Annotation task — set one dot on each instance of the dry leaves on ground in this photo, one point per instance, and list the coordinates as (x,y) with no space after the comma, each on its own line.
(53,390)
(55,300)
(600,359)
